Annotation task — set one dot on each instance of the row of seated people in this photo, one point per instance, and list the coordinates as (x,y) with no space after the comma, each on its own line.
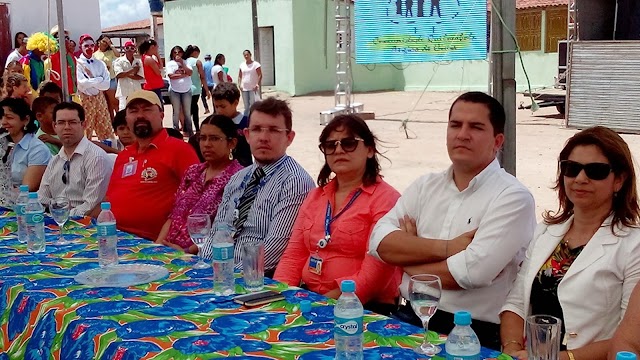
(473,225)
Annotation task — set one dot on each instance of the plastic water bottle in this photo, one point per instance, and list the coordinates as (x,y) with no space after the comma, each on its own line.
(20,210)
(626,355)
(222,258)
(462,343)
(107,237)
(348,314)
(34,219)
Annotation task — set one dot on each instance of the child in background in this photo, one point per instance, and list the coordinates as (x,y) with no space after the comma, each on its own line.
(226,97)
(52,90)
(124,136)
(16,86)
(43,109)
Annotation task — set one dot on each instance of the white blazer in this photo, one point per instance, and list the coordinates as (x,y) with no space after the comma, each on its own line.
(595,291)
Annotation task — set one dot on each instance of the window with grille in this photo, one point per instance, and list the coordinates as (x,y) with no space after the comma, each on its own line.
(529,29)
(556,27)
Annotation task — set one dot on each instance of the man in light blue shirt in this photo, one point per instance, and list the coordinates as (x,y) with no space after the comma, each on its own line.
(207,65)
(262,201)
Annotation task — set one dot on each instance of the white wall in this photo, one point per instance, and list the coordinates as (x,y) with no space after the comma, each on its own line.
(29,16)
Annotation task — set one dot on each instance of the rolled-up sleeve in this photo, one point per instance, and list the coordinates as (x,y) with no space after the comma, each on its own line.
(504,232)
(408,204)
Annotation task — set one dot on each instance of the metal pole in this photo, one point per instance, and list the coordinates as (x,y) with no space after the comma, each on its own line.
(256,36)
(62,43)
(503,70)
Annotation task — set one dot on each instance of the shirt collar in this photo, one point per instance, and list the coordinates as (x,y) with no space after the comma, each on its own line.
(25,142)
(479,179)
(271,168)
(89,61)
(156,142)
(80,149)
(331,187)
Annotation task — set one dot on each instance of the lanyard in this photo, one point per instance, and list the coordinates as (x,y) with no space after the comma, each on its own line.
(328,220)
(263,181)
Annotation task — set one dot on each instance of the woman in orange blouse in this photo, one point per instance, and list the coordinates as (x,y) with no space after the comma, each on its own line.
(329,239)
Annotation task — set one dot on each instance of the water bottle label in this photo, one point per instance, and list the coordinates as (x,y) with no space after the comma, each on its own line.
(20,209)
(34,218)
(348,327)
(107,230)
(222,253)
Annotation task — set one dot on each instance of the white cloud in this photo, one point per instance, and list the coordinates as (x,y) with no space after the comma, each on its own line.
(116,12)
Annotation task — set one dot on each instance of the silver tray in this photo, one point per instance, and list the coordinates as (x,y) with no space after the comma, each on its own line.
(122,275)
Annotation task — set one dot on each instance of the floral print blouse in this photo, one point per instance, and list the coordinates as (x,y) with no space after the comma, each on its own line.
(197,196)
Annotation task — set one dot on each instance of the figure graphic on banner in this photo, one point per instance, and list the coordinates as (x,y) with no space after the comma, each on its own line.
(409,10)
(436,4)
(399,7)
(420,8)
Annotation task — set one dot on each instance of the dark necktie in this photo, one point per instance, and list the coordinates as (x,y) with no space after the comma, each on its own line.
(246,200)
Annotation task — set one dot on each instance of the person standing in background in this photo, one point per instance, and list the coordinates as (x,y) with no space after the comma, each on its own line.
(108,54)
(179,73)
(207,66)
(152,67)
(197,80)
(20,43)
(55,65)
(249,80)
(129,74)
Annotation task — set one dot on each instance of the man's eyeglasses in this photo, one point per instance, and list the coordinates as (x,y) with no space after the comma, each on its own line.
(270,130)
(594,171)
(130,48)
(71,123)
(347,144)
(65,174)
(88,46)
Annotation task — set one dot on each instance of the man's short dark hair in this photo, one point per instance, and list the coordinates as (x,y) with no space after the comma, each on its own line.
(50,87)
(226,91)
(68,106)
(274,107)
(42,103)
(119,119)
(496,111)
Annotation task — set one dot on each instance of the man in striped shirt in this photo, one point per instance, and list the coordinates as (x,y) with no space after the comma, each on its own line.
(81,170)
(262,201)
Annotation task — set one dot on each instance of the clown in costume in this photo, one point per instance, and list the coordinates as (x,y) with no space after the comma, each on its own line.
(38,45)
(53,64)
(93,78)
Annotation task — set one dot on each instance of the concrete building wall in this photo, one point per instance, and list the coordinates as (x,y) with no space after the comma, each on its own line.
(225,27)
(80,16)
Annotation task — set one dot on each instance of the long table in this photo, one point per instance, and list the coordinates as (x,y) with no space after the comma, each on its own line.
(46,314)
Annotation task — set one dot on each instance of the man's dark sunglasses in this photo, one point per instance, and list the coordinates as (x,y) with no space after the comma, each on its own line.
(65,174)
(348,145)
(594,171)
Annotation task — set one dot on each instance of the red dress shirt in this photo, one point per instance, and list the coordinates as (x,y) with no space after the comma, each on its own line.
(142,200)
(345,257)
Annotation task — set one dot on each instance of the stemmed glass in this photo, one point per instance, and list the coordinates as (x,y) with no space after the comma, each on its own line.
(59,208)
(199,226)
(424,295)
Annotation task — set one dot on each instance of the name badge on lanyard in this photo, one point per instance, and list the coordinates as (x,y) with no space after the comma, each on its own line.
(315,264)
(130,168)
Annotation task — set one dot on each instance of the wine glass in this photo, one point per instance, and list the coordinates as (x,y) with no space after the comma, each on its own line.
(59,208)
(424,295)
(199,226)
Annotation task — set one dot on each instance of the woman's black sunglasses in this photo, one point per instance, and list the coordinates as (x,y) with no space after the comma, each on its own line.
(594,171)
(348,145)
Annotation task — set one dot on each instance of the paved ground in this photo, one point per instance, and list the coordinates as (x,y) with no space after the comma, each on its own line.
(540,137)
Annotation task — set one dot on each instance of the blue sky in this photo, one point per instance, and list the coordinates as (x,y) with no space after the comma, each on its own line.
(116,12)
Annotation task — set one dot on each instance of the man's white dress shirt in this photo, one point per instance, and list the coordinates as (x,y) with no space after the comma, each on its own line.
(92,75)
(498,205)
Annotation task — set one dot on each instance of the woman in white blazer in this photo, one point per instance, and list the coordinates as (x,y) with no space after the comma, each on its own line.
(584,260)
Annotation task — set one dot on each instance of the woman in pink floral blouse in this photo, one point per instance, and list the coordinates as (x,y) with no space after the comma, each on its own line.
(202,185)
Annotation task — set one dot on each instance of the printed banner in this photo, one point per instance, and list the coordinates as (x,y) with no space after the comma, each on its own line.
(396,31)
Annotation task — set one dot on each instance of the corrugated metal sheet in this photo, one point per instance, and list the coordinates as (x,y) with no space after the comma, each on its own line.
(604,85)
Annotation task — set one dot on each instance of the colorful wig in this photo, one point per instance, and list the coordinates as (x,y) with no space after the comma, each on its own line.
(42,41)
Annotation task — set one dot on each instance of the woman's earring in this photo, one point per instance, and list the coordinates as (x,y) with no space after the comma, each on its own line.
(230,154)
(25,128)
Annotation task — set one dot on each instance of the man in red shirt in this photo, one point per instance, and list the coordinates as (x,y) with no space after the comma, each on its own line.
(147,174)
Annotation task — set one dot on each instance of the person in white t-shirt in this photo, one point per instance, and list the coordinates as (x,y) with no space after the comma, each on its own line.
(179,73)
(249,80)
(129,73)
(217,71)
(20,42)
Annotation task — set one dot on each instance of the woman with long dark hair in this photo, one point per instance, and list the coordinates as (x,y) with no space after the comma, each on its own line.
(198,82)
(179,73)
(152,67)
(108,54)
(330,236)
(20,44)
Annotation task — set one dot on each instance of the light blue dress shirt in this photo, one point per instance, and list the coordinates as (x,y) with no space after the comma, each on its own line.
(30,151)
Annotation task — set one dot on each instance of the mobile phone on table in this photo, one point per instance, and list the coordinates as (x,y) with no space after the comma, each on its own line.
(258,298)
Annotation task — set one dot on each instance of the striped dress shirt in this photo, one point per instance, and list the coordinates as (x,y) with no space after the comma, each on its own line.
(87,179)
(274,210)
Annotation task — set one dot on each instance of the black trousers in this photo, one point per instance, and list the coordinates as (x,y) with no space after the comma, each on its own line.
(442,323)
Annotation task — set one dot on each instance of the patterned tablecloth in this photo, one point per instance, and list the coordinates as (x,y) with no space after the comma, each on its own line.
(46,314)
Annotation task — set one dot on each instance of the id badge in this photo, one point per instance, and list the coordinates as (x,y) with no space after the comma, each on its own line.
(129,168)
(315,264)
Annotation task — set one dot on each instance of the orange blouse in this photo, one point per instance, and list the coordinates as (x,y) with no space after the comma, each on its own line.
(345,257)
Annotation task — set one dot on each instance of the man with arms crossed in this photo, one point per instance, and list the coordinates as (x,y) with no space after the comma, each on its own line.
(475,203)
